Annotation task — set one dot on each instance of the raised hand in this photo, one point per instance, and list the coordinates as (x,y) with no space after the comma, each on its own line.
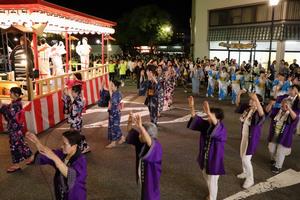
(191,101)
(137,119)
(32,137)
(206,107)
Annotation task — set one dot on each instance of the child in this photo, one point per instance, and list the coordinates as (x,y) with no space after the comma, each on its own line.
(114,112)
(252,119)
(75,109)
(14,115)
(282,128)
(69,163)
(104,96)
(148,158)
(212,141)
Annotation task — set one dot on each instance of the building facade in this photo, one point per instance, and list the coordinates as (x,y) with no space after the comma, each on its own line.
(243,22)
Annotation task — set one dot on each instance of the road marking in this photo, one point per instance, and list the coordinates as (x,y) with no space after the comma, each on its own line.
(104,123)
(104,110)
(285,179)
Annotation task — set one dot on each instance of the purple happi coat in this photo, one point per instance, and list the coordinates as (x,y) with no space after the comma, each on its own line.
(211,145)
(148,166)
(72,187)
(254,129)
(285,138)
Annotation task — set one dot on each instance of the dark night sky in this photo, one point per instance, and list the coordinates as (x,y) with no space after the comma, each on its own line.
(179,10)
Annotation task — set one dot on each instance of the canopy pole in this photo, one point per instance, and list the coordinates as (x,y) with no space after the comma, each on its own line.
(67,52)
(102,48)
(36,63)
(35,51)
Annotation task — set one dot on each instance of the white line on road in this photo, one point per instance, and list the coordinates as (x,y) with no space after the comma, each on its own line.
(285,179)
(104,110)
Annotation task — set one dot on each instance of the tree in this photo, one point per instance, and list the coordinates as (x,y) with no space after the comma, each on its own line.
(146,25)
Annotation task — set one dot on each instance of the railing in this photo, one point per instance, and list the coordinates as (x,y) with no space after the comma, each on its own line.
(42,87)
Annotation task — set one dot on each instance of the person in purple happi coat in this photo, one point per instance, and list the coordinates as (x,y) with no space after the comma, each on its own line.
(69,163)
(148,158)
(211,145)
(282,128)
(252,119)
(15,117)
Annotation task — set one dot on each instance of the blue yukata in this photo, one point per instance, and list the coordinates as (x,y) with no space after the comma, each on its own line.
(236,82)
(152,100)
(283,88)
(222,80)
(73,186)
(211,83)
(74,109)
(114,118)
(260,87)
(148,166)
(12,113)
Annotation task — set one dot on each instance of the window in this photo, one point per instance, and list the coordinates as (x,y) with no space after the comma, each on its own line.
(292,45)
(293,10)
(248,15)
(265,46)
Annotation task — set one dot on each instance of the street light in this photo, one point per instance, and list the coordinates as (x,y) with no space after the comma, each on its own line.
(166,28)
(273,3)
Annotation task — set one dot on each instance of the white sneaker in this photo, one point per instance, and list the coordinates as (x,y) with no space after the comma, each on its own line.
(242,176)
(248,183)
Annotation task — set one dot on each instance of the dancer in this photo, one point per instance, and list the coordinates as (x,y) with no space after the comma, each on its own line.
(114,118)
(223,78)
(75,109)
(148,158)
(44,56)
(236,80)
(69,163)
(84,50)
(161,82)
(252,119)
(152,87)
(212,142)
(211,73)
(282,128)
(260,84)
(15,117)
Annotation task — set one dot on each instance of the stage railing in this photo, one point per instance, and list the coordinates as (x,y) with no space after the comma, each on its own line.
(42,87)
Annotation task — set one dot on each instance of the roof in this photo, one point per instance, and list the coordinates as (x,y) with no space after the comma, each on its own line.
(57,18)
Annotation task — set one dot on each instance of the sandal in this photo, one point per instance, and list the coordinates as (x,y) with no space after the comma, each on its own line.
(13,169)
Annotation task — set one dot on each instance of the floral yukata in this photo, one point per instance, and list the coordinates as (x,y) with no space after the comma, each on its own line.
(12,113)
(161,95)
(114,118)
(74,110)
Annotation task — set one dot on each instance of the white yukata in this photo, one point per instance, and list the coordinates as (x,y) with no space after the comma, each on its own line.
(43,59)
